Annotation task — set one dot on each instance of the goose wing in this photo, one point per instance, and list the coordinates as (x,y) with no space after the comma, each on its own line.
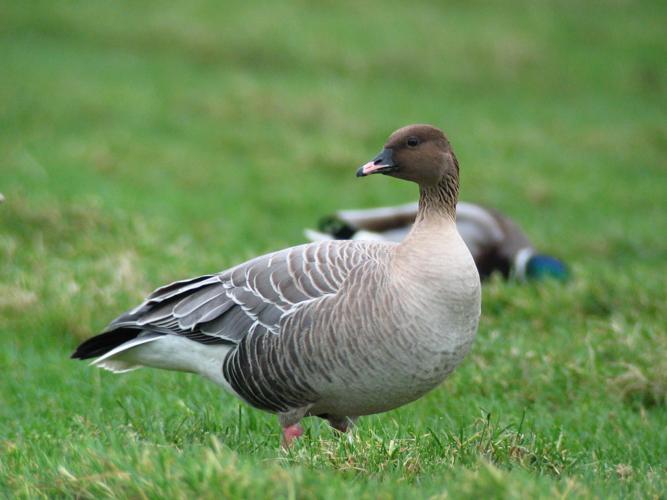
(252,297)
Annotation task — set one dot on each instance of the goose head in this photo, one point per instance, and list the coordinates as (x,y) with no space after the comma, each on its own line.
(417,153)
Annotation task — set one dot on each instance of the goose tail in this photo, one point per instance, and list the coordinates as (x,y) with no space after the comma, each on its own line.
(105,348)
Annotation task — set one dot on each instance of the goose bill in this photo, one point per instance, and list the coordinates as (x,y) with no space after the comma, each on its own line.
(381,164)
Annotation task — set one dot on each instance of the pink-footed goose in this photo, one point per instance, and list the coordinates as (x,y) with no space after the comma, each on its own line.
(336,329)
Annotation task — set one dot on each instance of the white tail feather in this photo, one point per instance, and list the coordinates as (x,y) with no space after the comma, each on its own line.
(117,366)
(105,362)
(172,352)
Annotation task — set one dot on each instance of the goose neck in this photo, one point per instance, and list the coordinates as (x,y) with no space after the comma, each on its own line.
(438,201)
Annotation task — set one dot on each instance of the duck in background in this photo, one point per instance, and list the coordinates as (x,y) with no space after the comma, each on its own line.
(495,241)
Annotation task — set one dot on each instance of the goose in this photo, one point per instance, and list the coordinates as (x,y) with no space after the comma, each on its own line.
(333,329)
(496,242)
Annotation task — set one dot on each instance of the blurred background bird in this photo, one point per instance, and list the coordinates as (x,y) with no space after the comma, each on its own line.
(496,242)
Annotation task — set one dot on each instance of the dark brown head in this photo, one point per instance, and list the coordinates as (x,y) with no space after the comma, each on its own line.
(418,153)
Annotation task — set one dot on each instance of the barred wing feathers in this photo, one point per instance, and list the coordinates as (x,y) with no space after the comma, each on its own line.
(246,306)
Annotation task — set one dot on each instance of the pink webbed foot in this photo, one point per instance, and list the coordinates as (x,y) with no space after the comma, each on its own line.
(290,433)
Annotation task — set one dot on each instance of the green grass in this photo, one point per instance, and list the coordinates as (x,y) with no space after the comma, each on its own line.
(144,142)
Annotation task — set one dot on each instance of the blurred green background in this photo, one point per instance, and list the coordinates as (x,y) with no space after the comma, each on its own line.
(146,141)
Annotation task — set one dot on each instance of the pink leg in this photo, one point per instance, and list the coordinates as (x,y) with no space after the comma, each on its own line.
(290,433)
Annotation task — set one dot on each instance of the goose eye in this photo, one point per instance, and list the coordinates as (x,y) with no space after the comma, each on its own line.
(413,142)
